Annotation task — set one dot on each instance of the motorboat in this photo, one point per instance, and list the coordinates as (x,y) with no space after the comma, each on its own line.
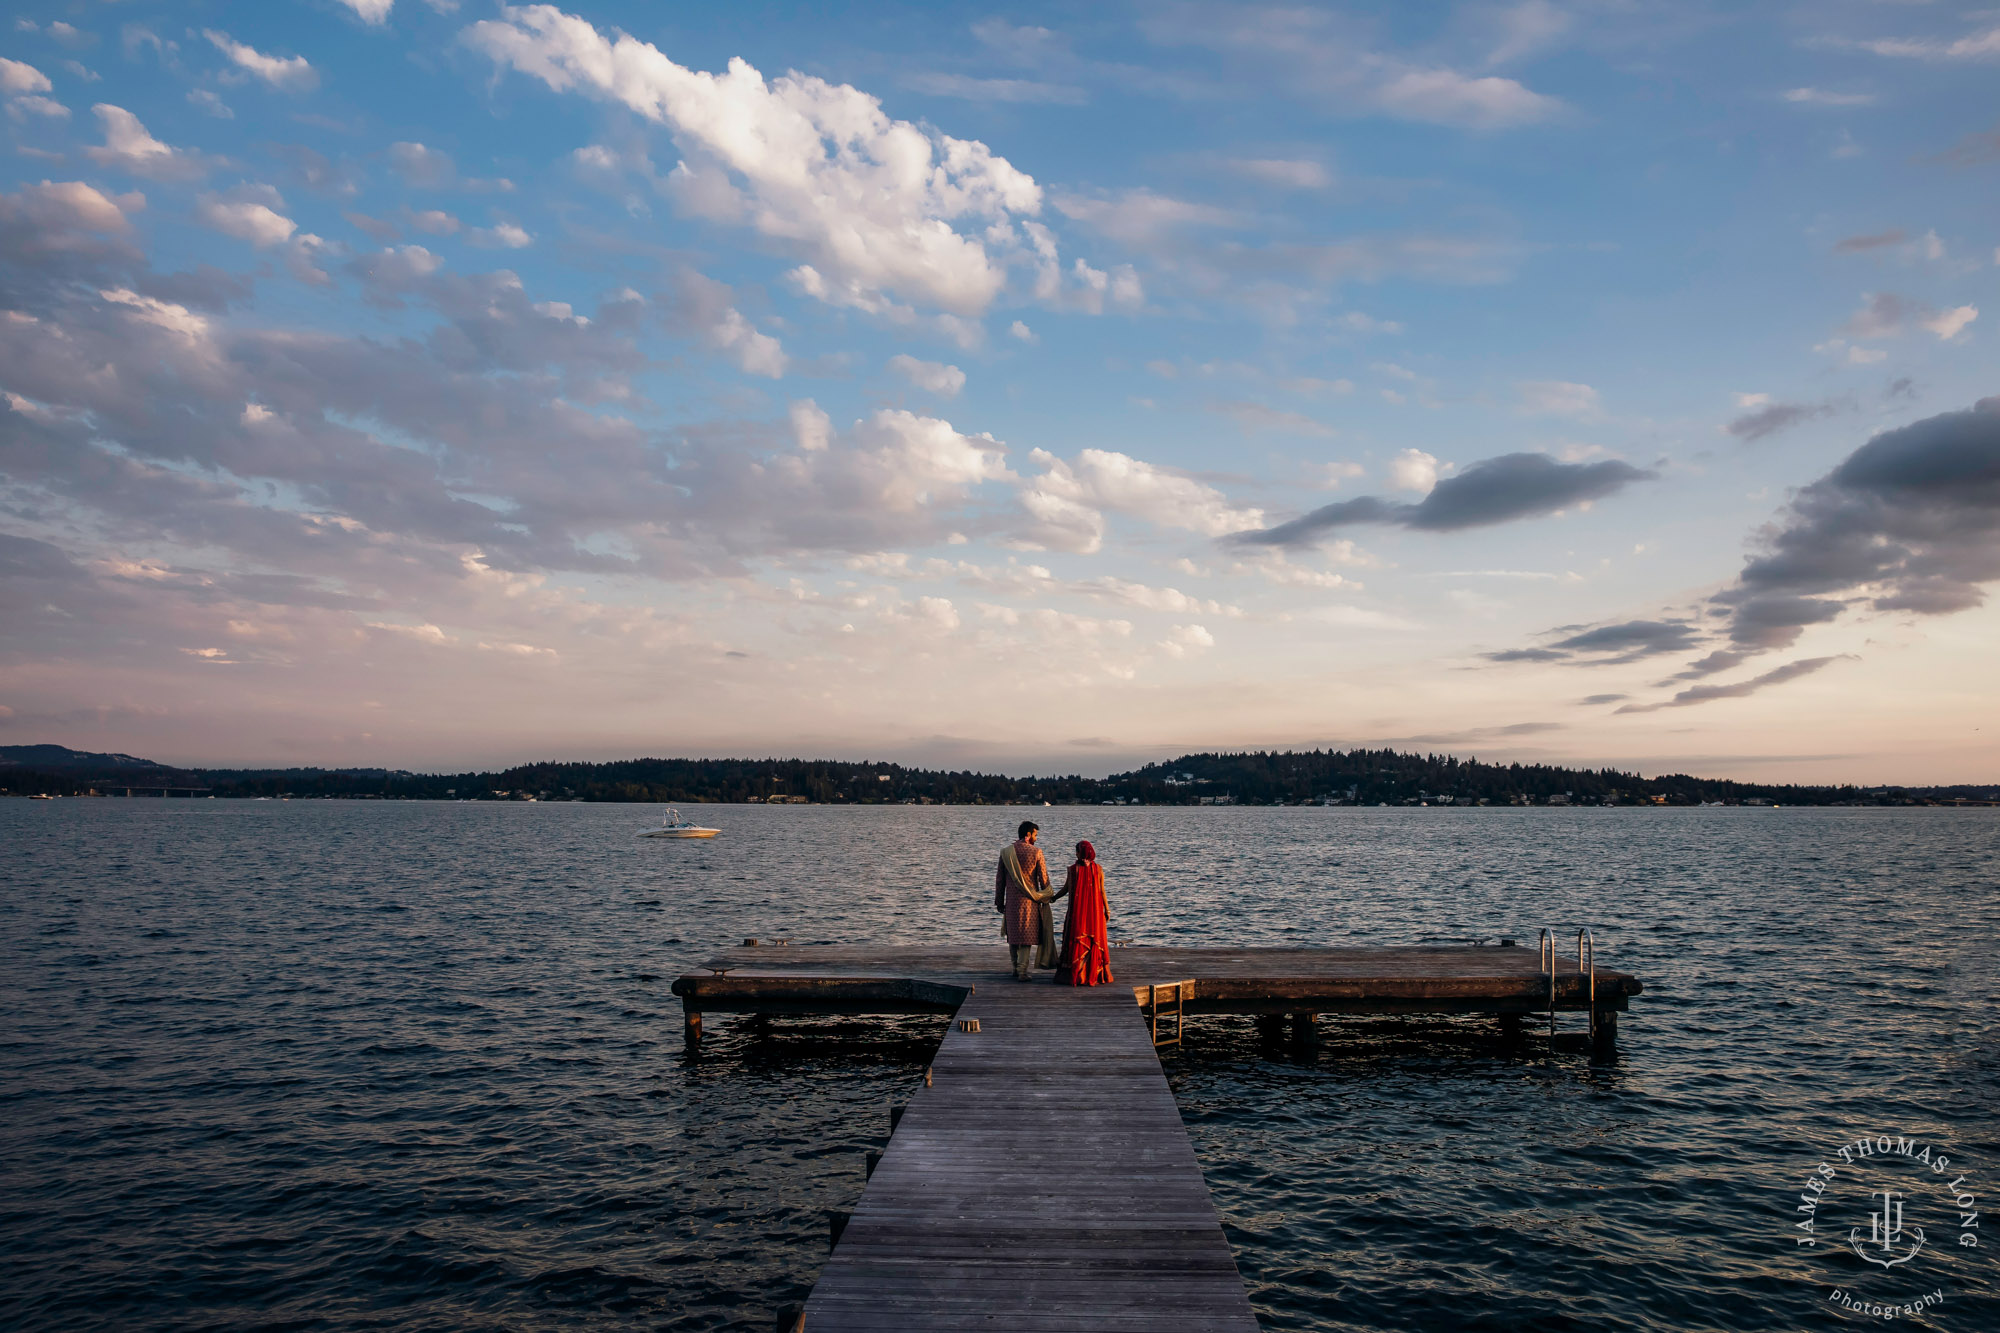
(676,827)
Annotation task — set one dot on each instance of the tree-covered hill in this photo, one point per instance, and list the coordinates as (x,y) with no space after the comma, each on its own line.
(1258,777)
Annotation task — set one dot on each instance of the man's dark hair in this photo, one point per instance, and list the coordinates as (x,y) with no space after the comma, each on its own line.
(1027,826)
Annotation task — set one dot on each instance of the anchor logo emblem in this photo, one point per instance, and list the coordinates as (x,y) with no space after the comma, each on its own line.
(1885,1229)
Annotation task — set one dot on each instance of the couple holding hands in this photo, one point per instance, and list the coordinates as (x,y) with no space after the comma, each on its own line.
(1022,894)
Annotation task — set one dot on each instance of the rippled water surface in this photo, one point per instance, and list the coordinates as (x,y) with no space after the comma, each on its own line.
(355,1064)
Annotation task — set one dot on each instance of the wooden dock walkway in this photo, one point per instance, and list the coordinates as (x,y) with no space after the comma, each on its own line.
(1042,1182)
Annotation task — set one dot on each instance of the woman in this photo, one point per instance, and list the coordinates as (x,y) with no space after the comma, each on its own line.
(1086,955)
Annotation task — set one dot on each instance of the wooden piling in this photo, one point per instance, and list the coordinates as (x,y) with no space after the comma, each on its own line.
(1604,1035)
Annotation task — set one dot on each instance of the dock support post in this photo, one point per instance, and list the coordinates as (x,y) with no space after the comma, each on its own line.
(1510,1027)
(896,1110)
(873,1160)
(1604,1034)
(1271,1028)
(790,1319)
(836,1223)
(1305,1029)
(691,1027)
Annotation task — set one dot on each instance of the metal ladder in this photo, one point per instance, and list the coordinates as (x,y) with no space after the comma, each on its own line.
(1586,966)
(1180,992)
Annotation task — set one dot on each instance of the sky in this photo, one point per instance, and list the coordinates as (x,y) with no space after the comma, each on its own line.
(1043,389)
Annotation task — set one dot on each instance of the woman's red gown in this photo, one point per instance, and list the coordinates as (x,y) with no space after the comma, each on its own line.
(1086,955)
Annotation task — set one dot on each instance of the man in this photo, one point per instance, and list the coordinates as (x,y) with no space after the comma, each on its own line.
(1021,894)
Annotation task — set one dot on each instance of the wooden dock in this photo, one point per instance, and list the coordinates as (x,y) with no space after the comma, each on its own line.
(1042,1178)
(1043,1181)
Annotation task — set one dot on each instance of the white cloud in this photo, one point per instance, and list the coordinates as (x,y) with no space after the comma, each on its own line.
(290,72)
(1450,98)
(1558,398)
(1140,218)
(1067,499)
(1328,476)
(938,613)
(247,215)
(1187,640)
(421,166)
(1413,470)
(1148,598)
(1949,323)
(1524,29)
(129,147)
(501,236)
(211,103)
(930,376)
(397,268)
(1983,45)
(1021,332)
(17,78)
(870,203)
(703,305)
(904,462)
(175,319)
(1287,173)
(812,429)
(430,634)
(755,353)
(1887,315)
(60,205)
(1316,55)
(20,108)
(1359,322)
(434,221)
(1272,566)
(371,11)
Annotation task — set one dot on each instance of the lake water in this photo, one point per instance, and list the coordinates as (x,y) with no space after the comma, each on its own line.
(344,1065)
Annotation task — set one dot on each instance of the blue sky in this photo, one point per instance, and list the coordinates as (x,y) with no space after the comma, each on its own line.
(427,384)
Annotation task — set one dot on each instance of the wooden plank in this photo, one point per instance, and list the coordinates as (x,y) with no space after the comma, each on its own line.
(1042,1182)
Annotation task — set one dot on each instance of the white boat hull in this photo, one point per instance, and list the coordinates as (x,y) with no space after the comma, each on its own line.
(680,833)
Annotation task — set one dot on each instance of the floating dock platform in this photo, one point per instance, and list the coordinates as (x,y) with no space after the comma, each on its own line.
(1042,1179)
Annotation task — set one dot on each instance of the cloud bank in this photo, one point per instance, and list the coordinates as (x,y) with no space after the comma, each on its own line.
(872,204)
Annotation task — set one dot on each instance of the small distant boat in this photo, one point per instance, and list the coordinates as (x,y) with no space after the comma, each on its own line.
(676,827)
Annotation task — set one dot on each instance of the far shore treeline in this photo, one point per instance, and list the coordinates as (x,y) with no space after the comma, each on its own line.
(1359,777)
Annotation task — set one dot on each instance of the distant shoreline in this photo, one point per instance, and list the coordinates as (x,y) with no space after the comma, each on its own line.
(1259,778)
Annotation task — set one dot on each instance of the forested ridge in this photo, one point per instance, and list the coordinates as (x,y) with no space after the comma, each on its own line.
(1255,777)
